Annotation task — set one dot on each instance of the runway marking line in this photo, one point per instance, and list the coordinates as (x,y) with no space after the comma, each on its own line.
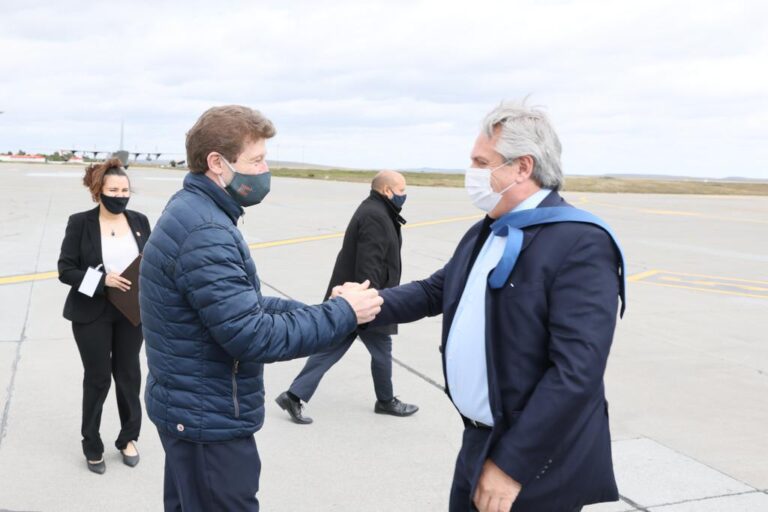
(673,213)
(704,283)
(292,241)
(642,275)
(689,281)
(24,278)
(41,276)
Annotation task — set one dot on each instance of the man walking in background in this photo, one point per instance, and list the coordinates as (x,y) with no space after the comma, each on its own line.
(371,251)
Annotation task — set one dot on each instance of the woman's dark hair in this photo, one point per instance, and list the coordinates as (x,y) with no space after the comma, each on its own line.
(96,174)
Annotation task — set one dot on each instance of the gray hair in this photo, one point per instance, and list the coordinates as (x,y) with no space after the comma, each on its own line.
(527,131)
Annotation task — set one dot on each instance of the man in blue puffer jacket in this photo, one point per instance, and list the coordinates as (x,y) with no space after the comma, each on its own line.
(209,330)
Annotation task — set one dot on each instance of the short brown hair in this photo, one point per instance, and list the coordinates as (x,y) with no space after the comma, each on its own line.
(225,130)
(95,174)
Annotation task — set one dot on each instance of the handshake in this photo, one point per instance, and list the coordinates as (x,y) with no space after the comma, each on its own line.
(366,302)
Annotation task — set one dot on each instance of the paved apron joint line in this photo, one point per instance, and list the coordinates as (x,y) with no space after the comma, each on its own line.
(698,500)
(17,357)
(639,507)
(39,276)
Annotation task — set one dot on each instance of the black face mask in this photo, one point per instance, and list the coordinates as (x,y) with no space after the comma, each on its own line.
(114,204)
(397,200)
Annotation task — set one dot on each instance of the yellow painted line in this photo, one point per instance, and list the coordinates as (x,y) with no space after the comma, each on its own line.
(708,290)
(443,221)
(718,278)
(291,241)
(709,284)
(301,240)
(673,212)
(677,213)
(25,278)
(700,282)
(642,275)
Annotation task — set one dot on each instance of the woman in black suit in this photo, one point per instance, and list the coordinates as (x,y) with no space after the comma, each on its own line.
(107,238)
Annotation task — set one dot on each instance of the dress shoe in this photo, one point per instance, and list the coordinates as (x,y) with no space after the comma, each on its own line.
(395,407)
(97,467)
(131,460)
(293,407)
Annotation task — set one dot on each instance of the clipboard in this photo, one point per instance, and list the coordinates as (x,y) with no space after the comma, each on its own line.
(128,302)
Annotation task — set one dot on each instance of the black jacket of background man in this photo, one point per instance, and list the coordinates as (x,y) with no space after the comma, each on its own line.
(371,248)
(81,249)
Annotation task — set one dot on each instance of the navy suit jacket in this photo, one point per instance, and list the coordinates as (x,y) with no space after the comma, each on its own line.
(548,334)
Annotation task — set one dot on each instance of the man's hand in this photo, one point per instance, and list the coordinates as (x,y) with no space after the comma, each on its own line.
(365,302)
(348,287)
(496,491)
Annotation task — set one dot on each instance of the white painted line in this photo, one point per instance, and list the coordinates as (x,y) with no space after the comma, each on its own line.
(54,174)
(80,175)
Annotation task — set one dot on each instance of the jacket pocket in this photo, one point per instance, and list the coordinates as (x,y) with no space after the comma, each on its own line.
(524,289)
(235,368)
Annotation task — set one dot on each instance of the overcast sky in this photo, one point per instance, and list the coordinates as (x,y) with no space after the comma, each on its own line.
(651,87)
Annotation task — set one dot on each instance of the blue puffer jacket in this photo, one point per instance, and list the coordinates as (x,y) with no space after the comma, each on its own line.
(208,329)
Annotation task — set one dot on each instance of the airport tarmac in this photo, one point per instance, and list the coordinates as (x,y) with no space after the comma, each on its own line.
(687,379)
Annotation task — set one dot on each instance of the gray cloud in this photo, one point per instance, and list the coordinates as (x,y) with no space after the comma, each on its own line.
(655,86)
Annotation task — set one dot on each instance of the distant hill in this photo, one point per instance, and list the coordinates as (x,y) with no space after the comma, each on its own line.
(285,164)
(747,180)
(623,176)
(438,170)
(666,177)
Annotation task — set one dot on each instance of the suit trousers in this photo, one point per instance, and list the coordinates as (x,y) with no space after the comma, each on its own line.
(468,468)
(203,477)
(109,348)
(377,343)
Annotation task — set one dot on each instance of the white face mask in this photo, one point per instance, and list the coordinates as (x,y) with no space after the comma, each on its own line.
(477,182)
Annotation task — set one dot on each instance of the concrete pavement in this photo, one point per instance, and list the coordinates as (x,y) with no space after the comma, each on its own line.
(687,377)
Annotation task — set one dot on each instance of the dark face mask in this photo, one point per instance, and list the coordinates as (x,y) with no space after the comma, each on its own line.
(248,189)
(397,200)
(114,205)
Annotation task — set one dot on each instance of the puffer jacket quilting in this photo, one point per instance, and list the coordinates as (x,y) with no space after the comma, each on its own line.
(207,327)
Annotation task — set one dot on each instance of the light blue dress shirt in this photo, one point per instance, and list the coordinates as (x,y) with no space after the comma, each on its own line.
(465,357)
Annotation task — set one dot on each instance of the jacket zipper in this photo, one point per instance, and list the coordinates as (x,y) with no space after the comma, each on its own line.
(234,388)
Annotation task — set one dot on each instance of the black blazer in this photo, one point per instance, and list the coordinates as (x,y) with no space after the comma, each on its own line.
(371,248)
(81,249)
(548,334)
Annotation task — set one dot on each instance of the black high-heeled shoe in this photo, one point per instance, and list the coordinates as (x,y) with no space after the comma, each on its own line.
(131,460)
(97,467)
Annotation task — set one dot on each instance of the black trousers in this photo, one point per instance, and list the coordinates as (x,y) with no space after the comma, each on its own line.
(204,477)
(378,344)
(109,347)
(468,466)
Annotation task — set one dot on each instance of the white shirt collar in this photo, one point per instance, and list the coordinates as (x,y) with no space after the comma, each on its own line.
(533,201)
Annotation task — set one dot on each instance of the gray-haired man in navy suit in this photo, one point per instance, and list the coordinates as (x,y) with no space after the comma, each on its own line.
(525,341)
